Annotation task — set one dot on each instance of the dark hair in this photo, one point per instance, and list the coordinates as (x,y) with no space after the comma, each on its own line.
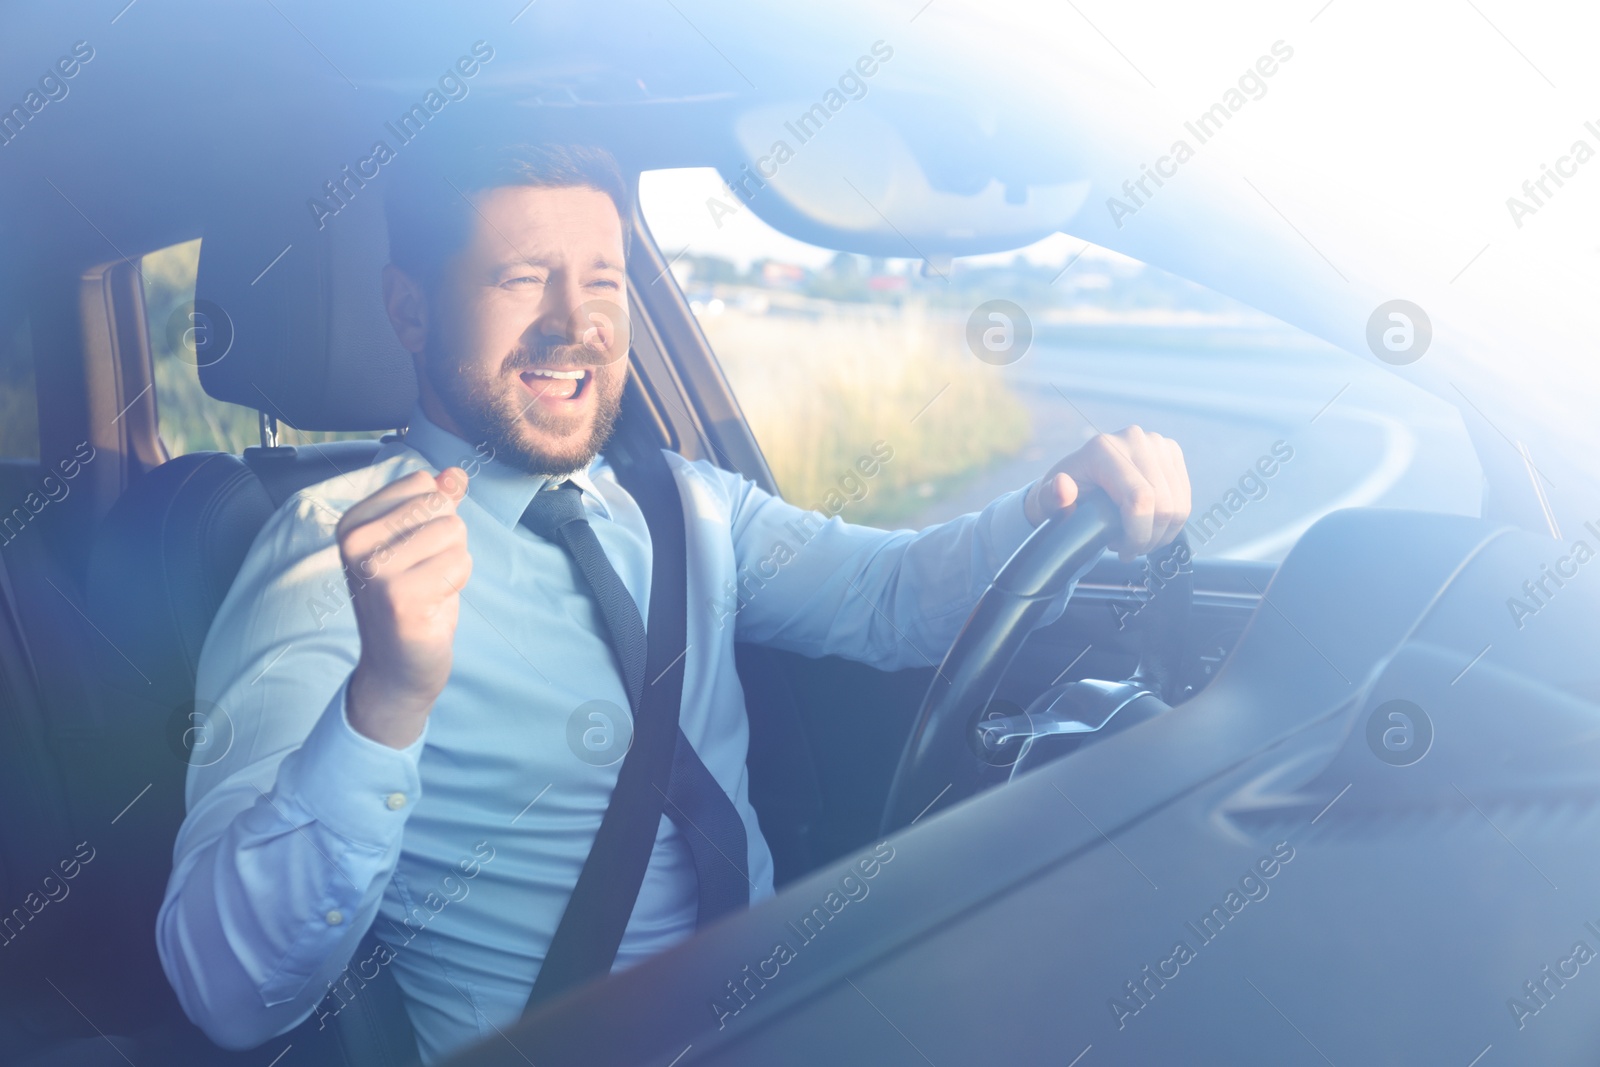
(429,217)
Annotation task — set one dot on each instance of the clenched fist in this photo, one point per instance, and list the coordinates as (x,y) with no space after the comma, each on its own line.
(405,557)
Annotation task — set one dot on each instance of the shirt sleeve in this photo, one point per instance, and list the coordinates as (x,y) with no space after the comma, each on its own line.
(294,819)
(821,586)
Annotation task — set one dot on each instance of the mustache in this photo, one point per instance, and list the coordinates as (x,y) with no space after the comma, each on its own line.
(553,357)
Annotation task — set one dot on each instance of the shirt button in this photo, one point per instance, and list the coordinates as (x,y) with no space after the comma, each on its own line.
(334,917)
(395,801)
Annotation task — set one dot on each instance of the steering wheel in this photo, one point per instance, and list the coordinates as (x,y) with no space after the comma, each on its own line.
(948,755)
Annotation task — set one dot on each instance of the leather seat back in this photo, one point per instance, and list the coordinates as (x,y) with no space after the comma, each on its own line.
(165,557)
(309,344)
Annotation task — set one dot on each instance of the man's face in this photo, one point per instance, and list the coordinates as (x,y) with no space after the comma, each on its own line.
(526,336)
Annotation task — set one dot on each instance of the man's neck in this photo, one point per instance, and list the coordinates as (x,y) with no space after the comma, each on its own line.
(436,412)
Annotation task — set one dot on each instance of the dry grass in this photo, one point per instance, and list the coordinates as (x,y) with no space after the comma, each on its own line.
(820,388)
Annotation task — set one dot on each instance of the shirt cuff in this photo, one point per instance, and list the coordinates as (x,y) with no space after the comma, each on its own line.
(361,789)
(1010,524)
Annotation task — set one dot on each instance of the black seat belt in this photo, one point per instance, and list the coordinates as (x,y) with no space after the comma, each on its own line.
(590,932)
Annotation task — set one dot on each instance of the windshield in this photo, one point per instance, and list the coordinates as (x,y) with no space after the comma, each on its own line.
(978,372)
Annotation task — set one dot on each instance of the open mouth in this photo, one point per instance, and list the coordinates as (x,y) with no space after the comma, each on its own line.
(556,385)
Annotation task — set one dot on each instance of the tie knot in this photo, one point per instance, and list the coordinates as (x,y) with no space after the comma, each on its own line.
(552,509)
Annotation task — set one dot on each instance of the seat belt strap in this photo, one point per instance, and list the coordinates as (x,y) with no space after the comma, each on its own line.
(590,932)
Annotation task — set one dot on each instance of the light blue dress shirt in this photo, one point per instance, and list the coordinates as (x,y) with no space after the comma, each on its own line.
(465,846)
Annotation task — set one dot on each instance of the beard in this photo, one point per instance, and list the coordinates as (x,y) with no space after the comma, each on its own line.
(489,408)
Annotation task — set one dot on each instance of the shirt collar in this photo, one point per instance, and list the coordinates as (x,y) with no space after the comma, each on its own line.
(501,489)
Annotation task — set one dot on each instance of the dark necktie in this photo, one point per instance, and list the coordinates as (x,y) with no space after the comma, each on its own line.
(695,802)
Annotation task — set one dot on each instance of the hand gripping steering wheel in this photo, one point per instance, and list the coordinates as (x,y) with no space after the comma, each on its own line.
(950,754)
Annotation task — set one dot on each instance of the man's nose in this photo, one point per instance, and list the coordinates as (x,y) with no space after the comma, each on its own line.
(599,326)
(560,321)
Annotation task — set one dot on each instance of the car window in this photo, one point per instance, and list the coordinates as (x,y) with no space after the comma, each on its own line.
(19,400)
(187,418)
(972,377)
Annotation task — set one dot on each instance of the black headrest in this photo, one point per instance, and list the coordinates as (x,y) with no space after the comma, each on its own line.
(297,324)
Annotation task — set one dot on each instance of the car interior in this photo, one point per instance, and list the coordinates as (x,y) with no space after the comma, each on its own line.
(171,534)
(1012,913)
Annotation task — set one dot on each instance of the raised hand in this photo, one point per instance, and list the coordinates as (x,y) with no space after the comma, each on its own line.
(405,555)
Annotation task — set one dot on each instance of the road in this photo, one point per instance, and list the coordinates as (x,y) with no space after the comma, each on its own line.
(1359,436)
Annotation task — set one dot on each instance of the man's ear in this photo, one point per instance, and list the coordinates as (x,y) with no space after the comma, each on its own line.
(407,304)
